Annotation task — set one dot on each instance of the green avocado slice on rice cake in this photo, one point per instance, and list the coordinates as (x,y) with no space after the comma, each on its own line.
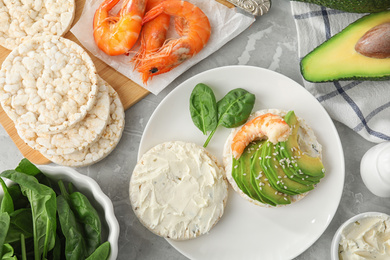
(274,159)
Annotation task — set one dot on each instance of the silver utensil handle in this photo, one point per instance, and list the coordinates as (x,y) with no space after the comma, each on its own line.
(255,7)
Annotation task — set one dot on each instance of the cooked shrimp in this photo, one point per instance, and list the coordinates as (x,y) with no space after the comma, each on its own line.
(116,35)
(267,125)
(195,33)
(153,34)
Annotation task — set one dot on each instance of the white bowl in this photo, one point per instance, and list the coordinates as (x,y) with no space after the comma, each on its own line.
(334,248)
(100,201)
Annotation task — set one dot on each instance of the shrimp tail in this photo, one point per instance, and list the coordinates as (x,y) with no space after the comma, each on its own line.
(266,125)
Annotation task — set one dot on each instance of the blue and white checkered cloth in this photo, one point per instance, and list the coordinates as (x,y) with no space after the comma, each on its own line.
(364,106)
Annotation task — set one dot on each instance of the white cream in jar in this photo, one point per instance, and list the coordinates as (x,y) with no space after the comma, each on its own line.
(367,238)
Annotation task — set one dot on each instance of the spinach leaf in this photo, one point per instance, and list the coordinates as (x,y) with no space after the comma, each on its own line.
(4,225)
(203,108)
(7,204)
(87,215)
(233,109)
(75,244)
(27,167)
(101,253)
(8,253)
(20,201)
(20,223)
(43,206)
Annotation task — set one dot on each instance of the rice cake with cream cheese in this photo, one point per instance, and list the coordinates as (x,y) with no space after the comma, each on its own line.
(22,20)
(178,190)
(104,145)
(79,137)
(48,84)
(306,141)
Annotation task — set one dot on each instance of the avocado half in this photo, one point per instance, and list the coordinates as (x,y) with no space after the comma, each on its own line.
(353,6)
(337,59)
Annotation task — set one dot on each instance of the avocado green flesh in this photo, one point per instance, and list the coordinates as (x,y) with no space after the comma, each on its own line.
(283,183)
(261,184)
(311,166)
(293,172)
(250,150)
(337,59)
(353,6)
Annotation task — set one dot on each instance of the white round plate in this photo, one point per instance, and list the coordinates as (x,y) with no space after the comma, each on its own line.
(247,231)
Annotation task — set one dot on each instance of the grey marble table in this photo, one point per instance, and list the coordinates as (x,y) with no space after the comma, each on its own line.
(271,42)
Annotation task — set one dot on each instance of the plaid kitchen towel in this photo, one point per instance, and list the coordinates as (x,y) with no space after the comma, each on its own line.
(364,106)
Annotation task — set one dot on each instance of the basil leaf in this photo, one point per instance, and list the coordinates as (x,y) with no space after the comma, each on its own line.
(4,225)
(75,243)
(203,108)
(7,204)
(101,253)
(235,108)
(43,206)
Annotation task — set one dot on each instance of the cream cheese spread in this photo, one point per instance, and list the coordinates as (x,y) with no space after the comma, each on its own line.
(178,190)
(368,238)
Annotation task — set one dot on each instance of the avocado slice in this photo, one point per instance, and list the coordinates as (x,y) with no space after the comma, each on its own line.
(292,171)
(262,186)
(337,59)
(311,166)
(244,174)
(278,178)
(353,6)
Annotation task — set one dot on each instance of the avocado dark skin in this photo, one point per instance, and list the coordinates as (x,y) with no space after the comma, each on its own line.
(353,6)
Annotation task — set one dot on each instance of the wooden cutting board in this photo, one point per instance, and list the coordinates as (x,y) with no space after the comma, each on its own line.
(129,92)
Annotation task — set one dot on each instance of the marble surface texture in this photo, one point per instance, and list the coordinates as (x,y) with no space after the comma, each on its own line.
(271,43)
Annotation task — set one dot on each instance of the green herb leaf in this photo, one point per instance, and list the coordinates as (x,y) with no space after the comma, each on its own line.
(4,225)
(101,253)
(75,243)
(20,223)
(43,206)
(8,253)
(233,109)
(87,215)
(7,204)
(27,167)
(203,108)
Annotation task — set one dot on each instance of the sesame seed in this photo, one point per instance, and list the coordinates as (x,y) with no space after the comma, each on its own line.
(285,199)
(276,166)
(266,179)
(261,188)
(285,187)
(244,174)
(276,192)
(277,182)
(235,166)
(279,177)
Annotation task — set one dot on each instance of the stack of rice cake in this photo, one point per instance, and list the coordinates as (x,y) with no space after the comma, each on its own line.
(50,88)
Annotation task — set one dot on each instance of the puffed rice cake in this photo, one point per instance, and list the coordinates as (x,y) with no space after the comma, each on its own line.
(22,20)
(178,190)
(79,137)
(104,145)
(48,84)
(307,142)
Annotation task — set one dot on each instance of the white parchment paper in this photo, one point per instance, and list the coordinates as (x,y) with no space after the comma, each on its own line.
(225,23)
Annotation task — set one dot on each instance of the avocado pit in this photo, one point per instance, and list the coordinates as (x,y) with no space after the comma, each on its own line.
(375,43)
